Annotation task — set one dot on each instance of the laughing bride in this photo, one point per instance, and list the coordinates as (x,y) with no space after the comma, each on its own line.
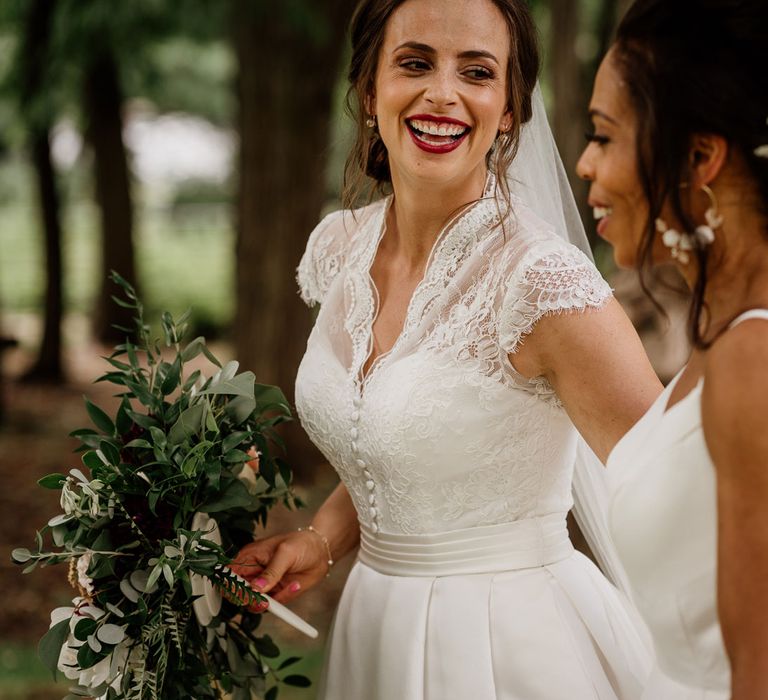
(463,344)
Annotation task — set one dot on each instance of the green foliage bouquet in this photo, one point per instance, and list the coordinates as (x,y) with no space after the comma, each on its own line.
(178,480)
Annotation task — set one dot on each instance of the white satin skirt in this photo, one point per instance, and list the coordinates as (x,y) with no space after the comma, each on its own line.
(663,687)
(505,612)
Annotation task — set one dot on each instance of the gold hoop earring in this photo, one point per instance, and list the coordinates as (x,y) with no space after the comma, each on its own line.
(371,121)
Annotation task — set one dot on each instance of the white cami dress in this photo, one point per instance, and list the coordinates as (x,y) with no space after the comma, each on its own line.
(663,519)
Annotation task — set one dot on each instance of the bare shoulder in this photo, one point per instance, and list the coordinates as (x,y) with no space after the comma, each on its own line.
(735,396)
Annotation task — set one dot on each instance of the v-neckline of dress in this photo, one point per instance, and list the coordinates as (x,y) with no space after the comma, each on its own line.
(475,217)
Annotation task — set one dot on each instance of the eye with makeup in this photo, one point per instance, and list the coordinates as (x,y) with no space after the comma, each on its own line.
(479,73)
(413,65)
(599,139)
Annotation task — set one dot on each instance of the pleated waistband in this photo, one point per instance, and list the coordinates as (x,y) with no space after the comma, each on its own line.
(522,544)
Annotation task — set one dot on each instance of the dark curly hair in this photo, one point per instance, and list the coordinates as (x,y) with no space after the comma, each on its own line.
(694,67)
(368,158)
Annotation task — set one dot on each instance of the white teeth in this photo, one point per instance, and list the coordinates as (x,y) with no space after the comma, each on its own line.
(601,212)
(437,128)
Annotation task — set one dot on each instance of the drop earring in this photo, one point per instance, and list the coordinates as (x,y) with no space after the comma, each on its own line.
(371,121)
(680,244)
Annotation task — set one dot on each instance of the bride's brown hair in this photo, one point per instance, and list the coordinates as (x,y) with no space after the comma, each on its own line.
(690,67)
(368,156)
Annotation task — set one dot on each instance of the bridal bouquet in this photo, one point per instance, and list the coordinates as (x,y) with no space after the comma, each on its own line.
(173,486)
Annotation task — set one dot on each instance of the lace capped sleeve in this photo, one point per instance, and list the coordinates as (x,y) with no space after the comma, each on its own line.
(323,258)
(557,280)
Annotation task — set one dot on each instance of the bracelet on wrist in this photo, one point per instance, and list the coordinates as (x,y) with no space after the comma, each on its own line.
(311,528)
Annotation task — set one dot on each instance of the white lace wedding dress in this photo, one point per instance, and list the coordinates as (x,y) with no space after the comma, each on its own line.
(663,517)
(466,584)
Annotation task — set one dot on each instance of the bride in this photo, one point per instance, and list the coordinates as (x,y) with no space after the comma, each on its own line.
(460,339)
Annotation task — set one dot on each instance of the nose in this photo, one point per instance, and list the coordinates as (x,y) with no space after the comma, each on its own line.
(441,89)
(585,168)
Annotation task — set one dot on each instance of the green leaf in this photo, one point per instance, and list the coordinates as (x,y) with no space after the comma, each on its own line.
(188,424)
(159,438)
(171,380)
(288,662)
(297,681)
(123,421)
(240,385)
(266,647)
(267,395)
(92,460)
(233,440)
(21,555)
(240,409)
(111,452)
(141,419)
(100,419)
(211,357)
(85,628)
(234,495)
(50,645)
(236,457)
(52,481)
(193,349)
(138,442)
(271,694)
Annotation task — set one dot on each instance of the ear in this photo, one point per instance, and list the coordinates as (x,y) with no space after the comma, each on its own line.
(369,103)
(505,123)
(708,155)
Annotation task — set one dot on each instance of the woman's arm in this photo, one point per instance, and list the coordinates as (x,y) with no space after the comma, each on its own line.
(735,420)
(290,563)
(597,365)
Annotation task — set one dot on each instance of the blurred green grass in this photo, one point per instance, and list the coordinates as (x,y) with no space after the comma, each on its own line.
(180,263)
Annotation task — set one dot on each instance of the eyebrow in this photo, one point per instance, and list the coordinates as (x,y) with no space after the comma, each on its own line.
(425,48)
(602,115)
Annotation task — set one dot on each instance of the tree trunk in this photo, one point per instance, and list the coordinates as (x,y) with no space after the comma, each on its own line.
(48,366)
(103,107)
(285,86)
(34,54)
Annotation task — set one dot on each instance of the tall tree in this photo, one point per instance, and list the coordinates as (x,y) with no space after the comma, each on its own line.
(34,83)
(103,101)
(288,67)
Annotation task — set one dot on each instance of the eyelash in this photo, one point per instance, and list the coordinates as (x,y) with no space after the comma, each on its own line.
(592,137)
(475,73)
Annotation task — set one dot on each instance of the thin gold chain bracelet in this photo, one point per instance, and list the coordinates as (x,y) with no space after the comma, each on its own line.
(311,528)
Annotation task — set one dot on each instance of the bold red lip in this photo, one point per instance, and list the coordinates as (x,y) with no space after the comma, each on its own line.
(439,120)
(433,148)
(442,148)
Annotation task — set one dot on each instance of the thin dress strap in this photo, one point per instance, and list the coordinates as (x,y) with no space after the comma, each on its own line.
(747,315)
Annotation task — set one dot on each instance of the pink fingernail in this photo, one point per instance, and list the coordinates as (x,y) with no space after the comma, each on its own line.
(261,582)
(295,586)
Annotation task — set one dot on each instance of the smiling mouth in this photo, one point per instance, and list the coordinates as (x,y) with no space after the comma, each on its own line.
(437,136)
(600,213)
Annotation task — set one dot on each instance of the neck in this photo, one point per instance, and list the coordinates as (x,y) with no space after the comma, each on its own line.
(420,211)
(738,266)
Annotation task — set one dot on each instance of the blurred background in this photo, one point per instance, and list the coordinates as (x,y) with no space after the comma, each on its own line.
(191,145)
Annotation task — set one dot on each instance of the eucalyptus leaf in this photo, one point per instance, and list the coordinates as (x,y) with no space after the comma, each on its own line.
(240,409)
(241,385)
(21,555)
(188,424)
(110,634)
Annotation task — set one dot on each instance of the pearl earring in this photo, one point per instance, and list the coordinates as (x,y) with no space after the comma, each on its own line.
(371,121)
